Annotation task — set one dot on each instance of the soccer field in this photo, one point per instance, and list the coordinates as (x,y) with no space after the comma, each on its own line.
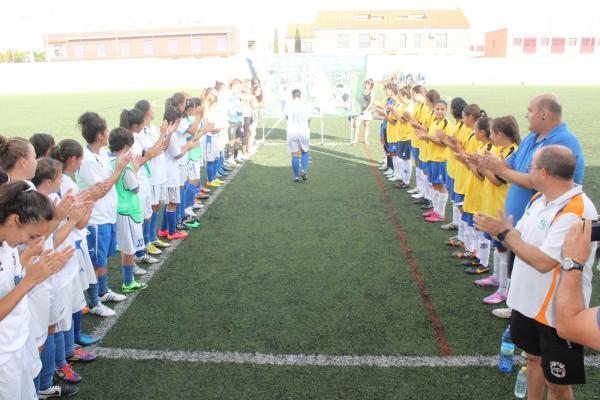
(330,289)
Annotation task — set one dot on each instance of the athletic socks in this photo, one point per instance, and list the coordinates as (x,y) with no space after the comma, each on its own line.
(305,162)
(390,163)
(171,221)
(181,208)
(397,165)
(455,215)
(442,200)
(483,248)
(93,294)
(59,350)
(127,271)
(419,179)
(77,325)
(102,284)
(48,366)
(146,229)
(165,220)
(502,270)
(406,171)
(434,199)
(296,166)
(153,224)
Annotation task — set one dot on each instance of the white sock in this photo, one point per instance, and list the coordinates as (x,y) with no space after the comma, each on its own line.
(428,188)
(397,165)
(496,261)
(469,239)
(455,214)
(442,200)
(406,171)
(419,179)
(483,249)
(503,272)
(434,199)
(461,230)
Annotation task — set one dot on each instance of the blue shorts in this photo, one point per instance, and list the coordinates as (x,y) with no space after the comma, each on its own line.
(382,132)
(468,218)
(392,148)
(404,150)
(450,186)
(495,243)
(437,172)
(102,243)
(422,166)
(458,198)
(415,154)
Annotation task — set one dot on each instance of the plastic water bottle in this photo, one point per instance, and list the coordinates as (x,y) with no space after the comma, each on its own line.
(507,349)
(521,385)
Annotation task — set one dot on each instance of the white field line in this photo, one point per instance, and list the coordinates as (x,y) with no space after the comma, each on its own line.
(216,357)
(106,324)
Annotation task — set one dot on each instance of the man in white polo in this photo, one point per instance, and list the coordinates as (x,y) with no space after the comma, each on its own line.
(537,241)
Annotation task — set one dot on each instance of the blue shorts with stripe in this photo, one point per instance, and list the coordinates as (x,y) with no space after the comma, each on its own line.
(415,154)
(468,218)
(392,148)
(102,243)
(437,172)
(495,243)
(404,150)
(458,198)
(450,186)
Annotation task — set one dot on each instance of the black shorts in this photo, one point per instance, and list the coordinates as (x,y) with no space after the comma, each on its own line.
(562,361)
(235,130)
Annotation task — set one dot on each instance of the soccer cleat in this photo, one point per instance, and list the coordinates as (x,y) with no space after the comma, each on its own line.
(395,178)
(462,255)
(471,262)
(161,244)
(135,286)
(193,224)
(383,166)
(449,227)
(477,270)
(495,298)
(426,205)
(213,184)
(85,310)
(303,175)
(87,340)
(502,312)
(202,196)
(58,390)
(454,242)
(296,180)
(112,296)
(102,311)
(81,355)
(414,190)
(67,375)
(152,250)
(435,218)
(162,233)
(205,190)
(428,213)
(178,235)
(219,181)
(146,259)
(182,227)
(489,281)
(400,185)
(137,271)
(388,172)
(197,206)
(418,195)
(223,173)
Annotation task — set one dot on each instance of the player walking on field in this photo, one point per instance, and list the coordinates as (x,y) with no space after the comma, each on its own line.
(298,134)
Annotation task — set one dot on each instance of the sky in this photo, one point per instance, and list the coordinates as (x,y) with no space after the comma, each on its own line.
(24,22)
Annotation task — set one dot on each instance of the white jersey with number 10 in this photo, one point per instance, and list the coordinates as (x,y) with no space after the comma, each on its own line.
(298,115)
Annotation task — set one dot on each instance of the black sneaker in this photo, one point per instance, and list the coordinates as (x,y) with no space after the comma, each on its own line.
(58,390)
(303,175)
(427,206)
(182,227)
(400,185)
(422,200)
(296,180)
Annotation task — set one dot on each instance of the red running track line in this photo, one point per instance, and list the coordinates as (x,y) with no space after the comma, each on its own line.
(444,346)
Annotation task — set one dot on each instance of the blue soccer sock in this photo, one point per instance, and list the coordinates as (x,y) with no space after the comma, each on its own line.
(165,221)
(153,224)
(59,352)
(146,227)
(295,166)
(127,271)
(48,363)
(305,161)
(178,213)
(93,294)
(77,325)
(69,338)
(103,284)
(172,221)
(188,195)
(181,203)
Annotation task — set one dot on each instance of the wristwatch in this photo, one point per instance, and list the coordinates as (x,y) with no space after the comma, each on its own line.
(502,235)
(569,264)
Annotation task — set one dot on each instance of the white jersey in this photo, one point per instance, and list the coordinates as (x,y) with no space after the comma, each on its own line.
(158,174)
(67,185)
(14,328)
(141,144)
(298,114)
(96,168)
(172,163)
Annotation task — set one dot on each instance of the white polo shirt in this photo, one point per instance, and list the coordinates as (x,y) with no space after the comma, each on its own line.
(545,225)
(96,168)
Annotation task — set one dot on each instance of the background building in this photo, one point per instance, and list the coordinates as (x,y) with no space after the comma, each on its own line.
(385,32)
(150,43)
(512,43)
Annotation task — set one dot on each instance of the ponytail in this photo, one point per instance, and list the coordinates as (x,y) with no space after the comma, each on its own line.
(12,150)
(42,143)
(131,117)
(47,169)
(66,149)
(21,199)
(91,125)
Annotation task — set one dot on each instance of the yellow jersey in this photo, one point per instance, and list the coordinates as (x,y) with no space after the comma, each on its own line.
(438,153)
(405,129)
(393,125)
(474,186)
(426,145)
(461,171)
(458,130)
(495,196)
(419,114)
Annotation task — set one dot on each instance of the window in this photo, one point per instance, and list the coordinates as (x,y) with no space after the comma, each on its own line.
(78,49)
(516,41)
(417,41)
(587,45)
(441,41)
(529,45)
(196,45)
(222,44)
(125,49)
(306,46)
(343,41)
(148,47)
(573,41)
(173,46)
(402,41)
(557,46)
(544,41)
(58,51)
(381,41)
(364,41)
(101,49)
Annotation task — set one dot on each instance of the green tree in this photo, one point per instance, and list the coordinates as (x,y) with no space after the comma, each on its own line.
(276,43)
(297,42)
